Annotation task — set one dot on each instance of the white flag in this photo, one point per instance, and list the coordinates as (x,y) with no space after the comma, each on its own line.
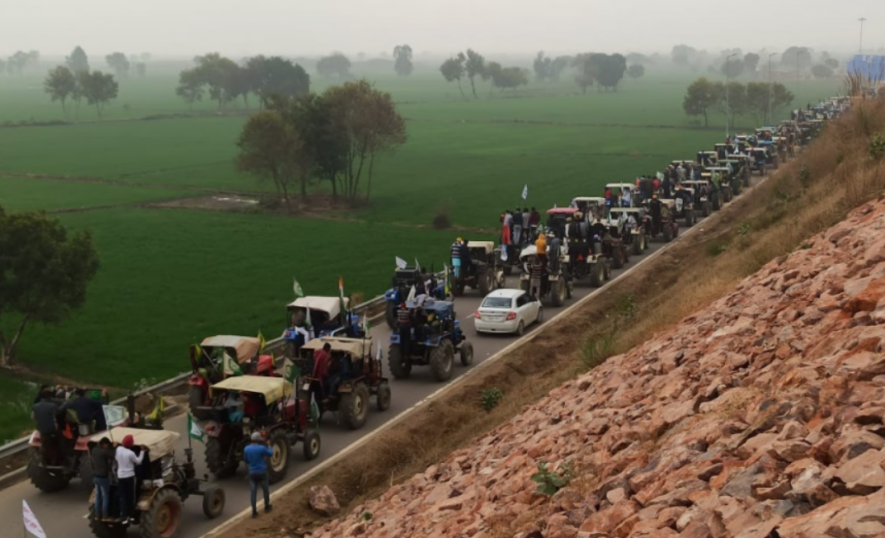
(503,253)
(31,523)
(411,296)
(378,354)
(401,263)
(114,415)
(525,192)
(193,429)
(417,265)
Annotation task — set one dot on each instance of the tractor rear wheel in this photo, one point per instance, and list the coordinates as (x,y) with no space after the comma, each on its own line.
(559,291)
(486,282)
(213,501)
(390,314)
(617,258)
(636,247)
(689,218)
(217,460)
(383,397)
(312,445)
(442,361)
(44,479)
(668,234)
(355,406)
(466,353)
(596,275)
(399,367)
(279,461)
(163,518)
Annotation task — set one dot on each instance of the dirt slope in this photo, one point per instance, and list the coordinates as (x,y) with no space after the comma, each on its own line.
(762,415)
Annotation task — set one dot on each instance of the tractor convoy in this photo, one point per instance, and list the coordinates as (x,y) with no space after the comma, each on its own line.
(330,364)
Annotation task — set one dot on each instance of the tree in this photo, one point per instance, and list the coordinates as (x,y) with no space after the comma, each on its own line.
(98,89)
(270,148)
(335,65)
(44,274)
(758,95)
(370,125)
(560,64)
(77,61)
(733,102)
(796,57)
(474,66)
(636,71)
(733,68)
(612,69)
(700,97)
(119,63)
(60,84)
(683,55)
(219,74)
(780,97)
(403,56)
(141,69)
(18,62)
(274,76)
(543,67)
(190,87)
(509,77)
(832,63)
(453,69)
(822,71)
(751,62)
(637,58)
(587,66)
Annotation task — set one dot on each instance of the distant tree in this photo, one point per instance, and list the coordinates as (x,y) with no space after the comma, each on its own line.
(508,77)
(683,55)
(18,62)
(275,76)
(780,97)
(587,67)
(219,74)
(335,65)
(474,66)
(560,64)
(636,71)
(758,95)
(543,67)
(190,86)
(795,57)
(403,56)
(453,69)
(733,102)
(822,71)
(832,63)
(491,70)
(77,61)
(270,149)
(637,58)
(701,96)
(733,68)
(119,63)
(141,69)
(33,58)
(751,62)
(60,84)
(44,273)
(611,71)
(98,89)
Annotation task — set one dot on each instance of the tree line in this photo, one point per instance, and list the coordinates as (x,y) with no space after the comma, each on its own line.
(19,62)
(795,59)
(307,140)
(473,65)
(704,96)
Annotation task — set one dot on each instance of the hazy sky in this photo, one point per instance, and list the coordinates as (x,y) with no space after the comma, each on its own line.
(295,27)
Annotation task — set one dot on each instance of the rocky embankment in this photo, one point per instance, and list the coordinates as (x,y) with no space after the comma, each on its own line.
(761,416)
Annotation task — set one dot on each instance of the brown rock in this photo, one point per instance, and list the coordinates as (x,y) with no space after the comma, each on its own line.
(696,529)
(790,450)
(607,520)
(863,475)
(323,501)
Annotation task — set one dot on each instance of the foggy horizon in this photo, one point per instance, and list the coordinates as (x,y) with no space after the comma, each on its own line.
(179,31)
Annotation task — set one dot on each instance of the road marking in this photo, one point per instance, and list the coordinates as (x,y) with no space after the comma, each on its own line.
(246,513)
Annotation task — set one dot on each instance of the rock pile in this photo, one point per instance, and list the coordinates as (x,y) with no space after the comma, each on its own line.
(761,416)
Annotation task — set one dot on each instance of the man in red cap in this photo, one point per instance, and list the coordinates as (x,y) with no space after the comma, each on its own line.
(126,462)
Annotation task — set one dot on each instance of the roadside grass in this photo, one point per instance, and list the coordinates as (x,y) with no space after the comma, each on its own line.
(15,411)
(169,278)
(22,194)
(680,282)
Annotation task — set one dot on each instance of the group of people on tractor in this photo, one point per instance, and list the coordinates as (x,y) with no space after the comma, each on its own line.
(519,227)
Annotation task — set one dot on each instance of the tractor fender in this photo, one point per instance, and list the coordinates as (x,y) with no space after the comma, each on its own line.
(392,295)
(196,380)
(147,497)
(345,387)
(265,365)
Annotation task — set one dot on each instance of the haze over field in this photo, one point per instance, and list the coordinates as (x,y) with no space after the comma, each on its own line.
(171,27)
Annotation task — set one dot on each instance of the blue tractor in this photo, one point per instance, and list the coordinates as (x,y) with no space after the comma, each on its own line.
(431,337)
(316,317)
(403,280)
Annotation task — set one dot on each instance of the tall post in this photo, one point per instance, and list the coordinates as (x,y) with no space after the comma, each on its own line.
(769,86)
(727,97)
(860,49)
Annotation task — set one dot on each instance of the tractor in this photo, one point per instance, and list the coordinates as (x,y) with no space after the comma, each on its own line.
(431,337)
(313,316)
(268,406)
(666,227)
(404,279)
(484,272)
(354,376)
(164,484)
(637,239)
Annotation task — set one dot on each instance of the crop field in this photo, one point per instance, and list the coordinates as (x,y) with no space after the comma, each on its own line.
(172,276)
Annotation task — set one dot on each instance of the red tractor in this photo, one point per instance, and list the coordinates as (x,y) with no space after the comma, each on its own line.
(219,357)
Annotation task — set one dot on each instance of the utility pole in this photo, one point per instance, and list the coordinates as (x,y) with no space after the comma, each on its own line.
(861,20)
(769,86)
(727,99)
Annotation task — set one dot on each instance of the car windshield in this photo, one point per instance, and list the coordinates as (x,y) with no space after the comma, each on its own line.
(496,302)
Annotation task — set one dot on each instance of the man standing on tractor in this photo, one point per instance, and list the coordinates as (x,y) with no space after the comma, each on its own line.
(45,414)
(534,221)
(102,463)
(256,455)
(517,226)
(654,208)
(456,257)
(126,462)
(87,410)
(321,360)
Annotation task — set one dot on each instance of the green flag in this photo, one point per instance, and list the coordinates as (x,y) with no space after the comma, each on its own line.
(193,429)
(291,372)
(296,287)
(231,368)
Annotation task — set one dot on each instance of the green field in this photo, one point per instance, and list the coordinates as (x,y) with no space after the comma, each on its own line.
(171,276)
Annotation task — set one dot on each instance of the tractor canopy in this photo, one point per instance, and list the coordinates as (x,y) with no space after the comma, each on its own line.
(241,347)
(486,247)
(443,309)
(272,388)
(357,348)
(566,211)
(161,443)
(331,306)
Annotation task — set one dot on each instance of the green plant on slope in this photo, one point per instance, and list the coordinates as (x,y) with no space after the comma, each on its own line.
(490,398)
(877,147)
(550,482)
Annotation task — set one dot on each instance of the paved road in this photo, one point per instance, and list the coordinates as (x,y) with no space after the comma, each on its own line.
(62,514)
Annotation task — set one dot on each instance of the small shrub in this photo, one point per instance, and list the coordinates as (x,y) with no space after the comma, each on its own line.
(744,229)
(367,516)
(270,201)
(715,249)
(490,398)
(549,482)
(628,307)
(805,176)
(877,147)
(442,221)
(597,349)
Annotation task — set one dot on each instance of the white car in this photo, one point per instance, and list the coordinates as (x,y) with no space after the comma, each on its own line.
(507,311)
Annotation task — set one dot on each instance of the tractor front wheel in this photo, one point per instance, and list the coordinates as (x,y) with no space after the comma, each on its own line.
(355,406)
(399,367)
(486,282)
(559,291)
(213,501)
(466,353)
(442,361)
(383,397)
(217,460)
(312,445)
(163,518)
(279,461)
